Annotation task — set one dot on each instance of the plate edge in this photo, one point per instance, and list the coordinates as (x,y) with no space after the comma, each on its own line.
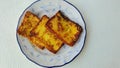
(66,62)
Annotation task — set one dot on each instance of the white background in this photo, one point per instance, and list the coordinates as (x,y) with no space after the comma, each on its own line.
(102,47)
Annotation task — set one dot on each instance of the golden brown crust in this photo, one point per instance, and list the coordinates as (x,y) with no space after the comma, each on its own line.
(50,48)
(36,42)
(29,22)
(76,35)
(33,33)
(59,30)
(51,42)
(49,33)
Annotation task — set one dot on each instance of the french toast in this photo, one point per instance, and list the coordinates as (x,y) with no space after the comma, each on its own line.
(29,22)
(64,28)
(36,42)
(51,42)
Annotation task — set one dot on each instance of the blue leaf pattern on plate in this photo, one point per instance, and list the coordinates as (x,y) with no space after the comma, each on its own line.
(66,53)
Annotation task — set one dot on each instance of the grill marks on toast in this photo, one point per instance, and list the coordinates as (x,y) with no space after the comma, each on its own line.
(64,28)
(51,42)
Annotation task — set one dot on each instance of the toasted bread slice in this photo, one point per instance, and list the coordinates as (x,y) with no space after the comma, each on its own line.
(51,42)
(64,28)
(36,42)
(29,22)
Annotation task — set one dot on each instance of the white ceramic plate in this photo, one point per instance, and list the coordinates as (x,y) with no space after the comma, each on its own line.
(66,54)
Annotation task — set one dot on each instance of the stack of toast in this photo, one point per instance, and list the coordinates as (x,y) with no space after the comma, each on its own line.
(50,33)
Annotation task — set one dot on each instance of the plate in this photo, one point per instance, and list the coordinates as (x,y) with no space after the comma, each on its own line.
(66,54)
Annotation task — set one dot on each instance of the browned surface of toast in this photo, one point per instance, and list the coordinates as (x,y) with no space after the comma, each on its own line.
(29,22)
(50,41)
(64,28)
(36,42)
(49,33)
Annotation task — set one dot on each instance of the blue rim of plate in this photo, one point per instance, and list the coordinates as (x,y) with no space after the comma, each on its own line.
(66,62)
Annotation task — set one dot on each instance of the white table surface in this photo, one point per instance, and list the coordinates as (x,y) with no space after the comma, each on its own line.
(102,47)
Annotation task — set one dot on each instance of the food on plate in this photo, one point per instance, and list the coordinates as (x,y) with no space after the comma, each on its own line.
(36,42)
(30,21)
(64,28)
(50,41)
(50,33)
